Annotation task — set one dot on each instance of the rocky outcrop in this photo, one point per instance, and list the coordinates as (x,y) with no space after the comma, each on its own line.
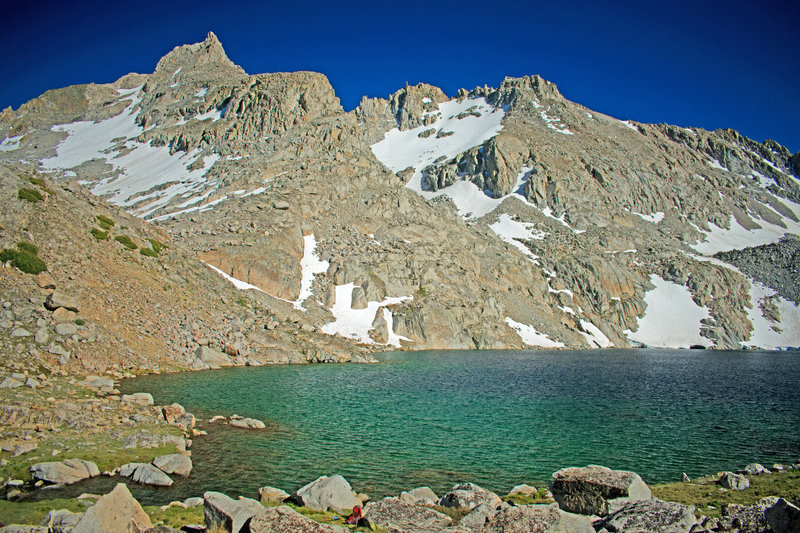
(174,463)
(651,515)
(589,490)
(325,493)
(393,513)
(145,474)
(469,496)
(544,518)
(284,519)
(729,480)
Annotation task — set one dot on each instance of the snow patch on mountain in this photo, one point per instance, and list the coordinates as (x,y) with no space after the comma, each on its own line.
(531,337)
(672,318)
(239,284)
(149,176)
(356,323)
(594,337)
(513,232)
(10,143)
(737,237)
(767,334)
(402,149)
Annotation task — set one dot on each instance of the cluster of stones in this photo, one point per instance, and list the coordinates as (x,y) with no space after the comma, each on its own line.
(589,499)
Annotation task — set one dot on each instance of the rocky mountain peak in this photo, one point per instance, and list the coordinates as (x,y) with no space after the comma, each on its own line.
(208,55)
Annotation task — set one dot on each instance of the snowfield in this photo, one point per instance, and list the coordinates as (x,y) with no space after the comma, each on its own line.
(356,323)
(672,318)
(149,176)
(531,337)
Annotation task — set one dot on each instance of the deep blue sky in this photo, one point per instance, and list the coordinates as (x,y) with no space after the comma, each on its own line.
(710,64)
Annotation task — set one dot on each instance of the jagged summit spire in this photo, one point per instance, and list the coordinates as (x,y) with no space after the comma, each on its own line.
(203,55)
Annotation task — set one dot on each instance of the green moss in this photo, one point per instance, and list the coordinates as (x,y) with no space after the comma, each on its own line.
(126,241)
(98,234)
(105,222)
(36,181)
(539,497)
(80,322)
(148,252)
(422,292)
(29,195)
(704,492)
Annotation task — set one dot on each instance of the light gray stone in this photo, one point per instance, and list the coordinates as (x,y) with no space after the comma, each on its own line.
(394,513)
(20,332)
(174,463)
(66,329)
(326,493)
(10,383)
(58,299)
(420,496)
(61,521)
(271,494)
(117,511)
(213,358)
(221,511)
(468,496)
(732,481)
(139,398)
(652,515)
(65,472)
(538,518)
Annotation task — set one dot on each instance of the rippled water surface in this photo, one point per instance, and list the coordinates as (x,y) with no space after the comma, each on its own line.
(497,418)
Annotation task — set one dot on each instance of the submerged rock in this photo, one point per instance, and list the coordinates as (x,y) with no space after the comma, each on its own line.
(146,474)
(174,463)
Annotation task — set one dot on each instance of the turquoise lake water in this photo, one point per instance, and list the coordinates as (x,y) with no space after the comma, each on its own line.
(497,418)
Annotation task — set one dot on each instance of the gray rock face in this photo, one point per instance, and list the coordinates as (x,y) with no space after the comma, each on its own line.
(139,398)
(732,481)
(653,516)
(469,496)
(479,516)
(116,511)
(65,472)
(213,358)
(98,383)
(393,513)
(174,463)
(284,519)
(783,517)
(420,495)
(328,493)
(539,518)
(221,511)
(146,474)
(588,490)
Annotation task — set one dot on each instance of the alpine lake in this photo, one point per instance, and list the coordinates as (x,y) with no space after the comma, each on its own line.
(496,418)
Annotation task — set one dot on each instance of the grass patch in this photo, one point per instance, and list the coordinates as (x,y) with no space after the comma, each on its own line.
(149,252)
(157,245)
(421,292)
(105,222)
(705,492)
(24,258)
(29,195)
(126,242)
(539,497)
(99,234)
(36,181)
(80,322)
(175,516)
(34,512)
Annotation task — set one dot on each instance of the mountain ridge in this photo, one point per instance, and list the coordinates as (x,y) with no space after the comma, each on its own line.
(501,218)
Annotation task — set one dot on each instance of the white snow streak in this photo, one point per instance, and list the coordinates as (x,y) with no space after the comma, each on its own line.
(787,332)
(10,143)
(310,266)
(239,284)
(531,337)
(512,231)
(655,218)
(594,337)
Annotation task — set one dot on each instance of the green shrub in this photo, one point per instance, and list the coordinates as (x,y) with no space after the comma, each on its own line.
(36,181)
(157,245)
(24,261)
(105,222)
(148,252)
(30,195)
(98,234)
(80,322)
(29,247)
(126,241)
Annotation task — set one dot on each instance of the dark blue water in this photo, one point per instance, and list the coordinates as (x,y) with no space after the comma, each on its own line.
(497,418)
